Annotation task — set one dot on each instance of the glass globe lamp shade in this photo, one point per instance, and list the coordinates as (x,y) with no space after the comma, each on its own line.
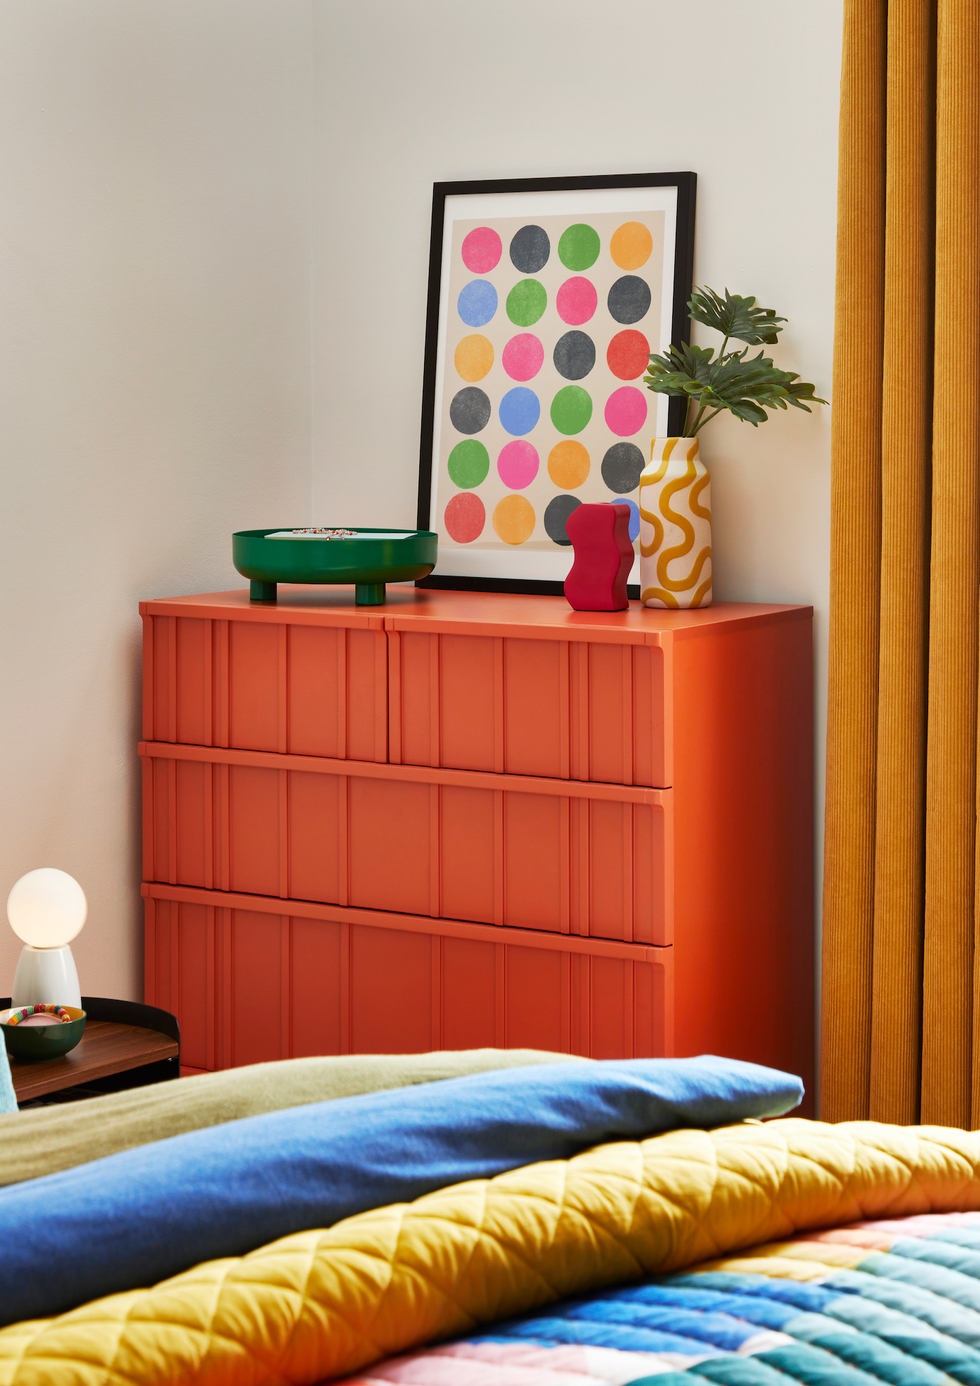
(46,909)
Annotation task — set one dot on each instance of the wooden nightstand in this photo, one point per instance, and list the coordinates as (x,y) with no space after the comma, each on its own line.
(125,1045)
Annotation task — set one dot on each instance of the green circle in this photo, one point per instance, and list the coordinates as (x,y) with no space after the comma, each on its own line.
(526,302)
(571,409)
(579,246)
(468,464)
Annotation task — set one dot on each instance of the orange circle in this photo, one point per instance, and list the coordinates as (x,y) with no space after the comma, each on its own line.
(474,357)
(568,464)
(513,519)
(631,245)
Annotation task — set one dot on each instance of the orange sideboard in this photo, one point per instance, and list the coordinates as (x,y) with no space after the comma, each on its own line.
(470,819)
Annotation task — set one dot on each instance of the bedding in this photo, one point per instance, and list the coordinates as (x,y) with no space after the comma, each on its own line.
(150,1212)
(45,1140)
(896,1300)
(505,1275)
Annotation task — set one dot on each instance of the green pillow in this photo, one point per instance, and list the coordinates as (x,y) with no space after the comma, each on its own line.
(8,1098)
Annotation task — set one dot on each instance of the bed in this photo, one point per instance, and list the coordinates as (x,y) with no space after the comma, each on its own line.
(628,1234)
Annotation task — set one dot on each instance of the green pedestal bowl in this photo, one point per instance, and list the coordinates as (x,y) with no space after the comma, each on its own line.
(369,560)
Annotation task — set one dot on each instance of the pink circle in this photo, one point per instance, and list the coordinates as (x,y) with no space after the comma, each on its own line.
(576,300)
(626,410)
(523,356)
(464,517)
(517,464)
(481,250)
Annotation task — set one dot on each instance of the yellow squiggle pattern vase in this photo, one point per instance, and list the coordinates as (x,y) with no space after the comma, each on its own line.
(675,526)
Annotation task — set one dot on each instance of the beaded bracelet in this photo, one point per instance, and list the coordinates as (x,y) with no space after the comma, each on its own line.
(41,1009)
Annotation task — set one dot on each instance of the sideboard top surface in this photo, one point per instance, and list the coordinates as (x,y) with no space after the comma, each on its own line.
(477,613)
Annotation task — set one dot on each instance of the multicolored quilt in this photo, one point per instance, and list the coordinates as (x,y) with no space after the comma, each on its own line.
(776,1252)
(896,1300)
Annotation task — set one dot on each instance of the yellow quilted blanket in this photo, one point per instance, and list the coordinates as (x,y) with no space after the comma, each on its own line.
(322,1304)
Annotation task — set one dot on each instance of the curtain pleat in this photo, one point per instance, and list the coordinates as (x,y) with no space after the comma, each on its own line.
(899,1039)
(896,1008)
(947,1040)
(855,541)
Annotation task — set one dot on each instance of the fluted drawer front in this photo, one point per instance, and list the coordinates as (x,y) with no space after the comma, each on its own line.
(252,979)
(287,685)
(578,709)
(559,856)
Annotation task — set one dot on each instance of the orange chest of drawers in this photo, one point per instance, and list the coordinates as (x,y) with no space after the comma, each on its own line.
(472,819)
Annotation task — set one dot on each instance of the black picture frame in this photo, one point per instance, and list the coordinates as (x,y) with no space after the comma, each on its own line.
(684,186)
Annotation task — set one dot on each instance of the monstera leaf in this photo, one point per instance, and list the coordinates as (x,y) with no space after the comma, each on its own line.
(745,386)
(736,317)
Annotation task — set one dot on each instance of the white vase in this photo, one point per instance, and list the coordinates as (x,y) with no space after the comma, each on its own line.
(675,526)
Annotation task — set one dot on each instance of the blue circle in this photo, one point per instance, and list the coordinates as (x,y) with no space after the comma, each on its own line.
(477,302)
(519,410)
(634,515)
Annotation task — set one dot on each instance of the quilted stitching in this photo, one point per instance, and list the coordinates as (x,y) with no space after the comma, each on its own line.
(325,1303)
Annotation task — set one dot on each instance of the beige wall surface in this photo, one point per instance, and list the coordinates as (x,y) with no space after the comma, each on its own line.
(745,95)
(157,314)
(154,369)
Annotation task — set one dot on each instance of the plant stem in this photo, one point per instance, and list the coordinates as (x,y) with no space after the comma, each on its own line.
(699,423)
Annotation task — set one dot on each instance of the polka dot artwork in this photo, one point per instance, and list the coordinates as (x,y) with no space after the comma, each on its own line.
(526,302)
(626,410)
(629,299)
(577,300)
(548,325)
(474,357)
(477,303)
(517,464)
(520,410)
(556,516)
(574,355)
(469,463)
(465,517)
(571,409)
(523,356)
(470,410)
(513,519)
(569,464)
(627,354)
(482,248)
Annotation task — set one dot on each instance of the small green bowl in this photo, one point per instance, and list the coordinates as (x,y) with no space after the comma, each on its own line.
(396,555)
(32,1042)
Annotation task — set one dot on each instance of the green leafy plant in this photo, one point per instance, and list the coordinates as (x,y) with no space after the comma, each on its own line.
(745,386)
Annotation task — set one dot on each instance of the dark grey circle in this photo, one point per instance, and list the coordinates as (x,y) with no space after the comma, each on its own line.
(470,410)
(530,248)
(556,518)
(629,298)
(574,355)
(621,467)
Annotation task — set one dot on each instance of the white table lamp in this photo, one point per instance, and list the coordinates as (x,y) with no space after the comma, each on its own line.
(46,909)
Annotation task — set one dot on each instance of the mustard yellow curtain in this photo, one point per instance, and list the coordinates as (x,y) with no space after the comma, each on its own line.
(900,1033)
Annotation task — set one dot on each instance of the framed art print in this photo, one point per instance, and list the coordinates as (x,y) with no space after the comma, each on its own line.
(546,298)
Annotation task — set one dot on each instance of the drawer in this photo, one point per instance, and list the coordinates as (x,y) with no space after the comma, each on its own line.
(294,687)
(553,855)
(251,981)
(585,710)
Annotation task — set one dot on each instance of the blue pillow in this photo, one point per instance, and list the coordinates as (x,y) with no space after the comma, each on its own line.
(8,1098)
(138,1216)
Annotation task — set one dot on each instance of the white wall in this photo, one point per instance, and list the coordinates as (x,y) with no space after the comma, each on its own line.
(407,95)
(154,369)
